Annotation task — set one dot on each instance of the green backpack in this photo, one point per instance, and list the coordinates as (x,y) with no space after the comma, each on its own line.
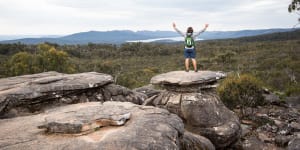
(189,42)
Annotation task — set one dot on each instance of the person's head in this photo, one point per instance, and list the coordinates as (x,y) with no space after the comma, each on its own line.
(189,31)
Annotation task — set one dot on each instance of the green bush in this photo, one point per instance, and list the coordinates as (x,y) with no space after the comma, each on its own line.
(20,63)
(47,58)
(243,91)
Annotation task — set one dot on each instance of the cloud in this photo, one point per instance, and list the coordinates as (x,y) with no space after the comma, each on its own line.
(69,16)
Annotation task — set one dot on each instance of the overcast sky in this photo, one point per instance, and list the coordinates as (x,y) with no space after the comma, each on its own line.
(60,17)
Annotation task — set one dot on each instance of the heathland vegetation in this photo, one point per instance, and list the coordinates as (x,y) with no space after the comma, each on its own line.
(273,59)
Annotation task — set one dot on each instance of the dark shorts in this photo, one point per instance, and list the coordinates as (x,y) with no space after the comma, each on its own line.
(189,53)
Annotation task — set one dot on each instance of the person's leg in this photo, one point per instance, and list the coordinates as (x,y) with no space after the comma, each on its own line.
(193,56)
(187,63)
(194,64)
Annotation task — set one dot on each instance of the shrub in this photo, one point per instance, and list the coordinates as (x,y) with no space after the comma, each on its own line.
(46,59)
(20,63)
(243,91)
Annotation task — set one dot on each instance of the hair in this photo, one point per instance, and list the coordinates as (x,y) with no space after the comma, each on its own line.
(190,30)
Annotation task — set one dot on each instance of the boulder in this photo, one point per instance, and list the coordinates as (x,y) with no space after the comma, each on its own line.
(246,129)
(24,95)
(192,96)
(95,125)
(272,98)
(293,101)
(192,141)
(206,115)
(294,144)
(149,90)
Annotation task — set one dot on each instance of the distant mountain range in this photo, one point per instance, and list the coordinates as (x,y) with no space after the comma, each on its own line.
(121,36)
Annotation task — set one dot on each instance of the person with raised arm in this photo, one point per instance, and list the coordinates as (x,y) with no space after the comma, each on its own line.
(189,45)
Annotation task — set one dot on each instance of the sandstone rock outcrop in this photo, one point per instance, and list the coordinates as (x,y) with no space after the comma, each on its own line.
(23,95)
(49,117)
(95,125)
(192,96)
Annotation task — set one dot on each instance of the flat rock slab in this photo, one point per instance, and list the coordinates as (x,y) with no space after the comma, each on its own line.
(36,84)
(147,128)
(22,90)
(79,119)
(187,78)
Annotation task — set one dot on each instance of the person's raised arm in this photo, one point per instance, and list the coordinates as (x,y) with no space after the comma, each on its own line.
(198,33)
(178,31)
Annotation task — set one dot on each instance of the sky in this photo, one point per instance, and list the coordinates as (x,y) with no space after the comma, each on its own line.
(62,17)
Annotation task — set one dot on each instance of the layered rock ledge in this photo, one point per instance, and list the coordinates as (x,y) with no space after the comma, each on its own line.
(183,78)
(23,95)
(182,81)
(192,96)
